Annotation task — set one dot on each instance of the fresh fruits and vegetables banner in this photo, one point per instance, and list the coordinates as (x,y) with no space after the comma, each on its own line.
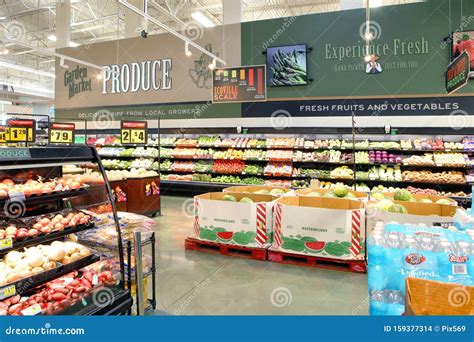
(117,329)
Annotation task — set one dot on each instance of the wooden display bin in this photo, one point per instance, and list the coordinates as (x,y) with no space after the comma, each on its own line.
(427,297)
(138,201)
(120,206)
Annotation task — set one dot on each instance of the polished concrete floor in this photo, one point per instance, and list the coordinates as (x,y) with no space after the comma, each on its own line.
(197,283)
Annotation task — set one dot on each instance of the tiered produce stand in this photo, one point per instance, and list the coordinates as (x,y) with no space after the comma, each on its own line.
(43,271)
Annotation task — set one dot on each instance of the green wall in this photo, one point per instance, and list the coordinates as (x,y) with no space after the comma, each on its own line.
(424,74)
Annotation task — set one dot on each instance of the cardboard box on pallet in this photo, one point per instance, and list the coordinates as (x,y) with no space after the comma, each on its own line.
(430,214)
(418,197)
(251,189)
(319,226)
(236,223)
(306,192)
(427,297)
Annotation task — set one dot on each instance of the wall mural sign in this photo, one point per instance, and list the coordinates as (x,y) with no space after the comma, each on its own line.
(76,81)
(457,73)
(362,107)
(137,76)
(240,84)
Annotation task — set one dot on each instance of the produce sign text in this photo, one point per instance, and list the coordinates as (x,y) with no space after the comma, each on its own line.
(20,130)
(243,84)
(3,134)
(77,81)
(61,133)
(134,132)
(457,73)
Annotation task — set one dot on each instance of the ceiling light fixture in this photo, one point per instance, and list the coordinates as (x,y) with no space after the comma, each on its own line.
(62,64)
(26,69)
(52,37)
(3,18)
(202,19)
(187,52)
(73,44)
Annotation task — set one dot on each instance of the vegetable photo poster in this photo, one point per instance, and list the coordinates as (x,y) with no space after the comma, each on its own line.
(464,41)
(286,65)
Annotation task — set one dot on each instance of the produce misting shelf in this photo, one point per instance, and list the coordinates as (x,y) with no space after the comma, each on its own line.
(24,285)
(357,266)
(27,242)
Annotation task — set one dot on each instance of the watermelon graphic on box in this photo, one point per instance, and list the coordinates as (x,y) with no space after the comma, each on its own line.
(315,246)
(225,236)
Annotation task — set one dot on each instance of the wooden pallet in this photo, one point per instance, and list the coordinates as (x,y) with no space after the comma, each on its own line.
(255,253)
(281,257)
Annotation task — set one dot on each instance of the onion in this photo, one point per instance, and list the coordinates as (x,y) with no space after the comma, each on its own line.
(13,258)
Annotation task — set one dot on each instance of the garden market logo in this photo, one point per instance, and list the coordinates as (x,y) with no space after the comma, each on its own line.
(76,81)
(415,259)
(397,47)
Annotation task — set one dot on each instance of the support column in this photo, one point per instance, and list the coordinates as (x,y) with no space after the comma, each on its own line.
(351,4)
(63,24)
(132,20)
(232,11)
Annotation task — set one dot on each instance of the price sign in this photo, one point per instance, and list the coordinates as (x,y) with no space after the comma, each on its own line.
(33,310)
(6,243)
(7,291)
(61,133)
(20,130)
(3,134)
(134,132)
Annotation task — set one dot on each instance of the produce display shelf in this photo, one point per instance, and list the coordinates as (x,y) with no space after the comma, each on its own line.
(119,302)
(129,157)
(49,197)
(27,242)
(24,285)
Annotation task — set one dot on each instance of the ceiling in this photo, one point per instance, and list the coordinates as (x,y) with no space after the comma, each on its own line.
(31,22)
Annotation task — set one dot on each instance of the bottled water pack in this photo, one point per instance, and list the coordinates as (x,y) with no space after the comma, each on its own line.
(397,251)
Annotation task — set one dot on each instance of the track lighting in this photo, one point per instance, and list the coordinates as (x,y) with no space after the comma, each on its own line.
(187,52)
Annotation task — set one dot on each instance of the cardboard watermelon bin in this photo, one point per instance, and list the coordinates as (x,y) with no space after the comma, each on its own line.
(319,226)
(305,192)
(430,214)
(251,189)
(418,197)
(236,223)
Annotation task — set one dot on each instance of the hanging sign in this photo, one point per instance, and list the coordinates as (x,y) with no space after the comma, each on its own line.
(457,73)
(241,84)
(20,130)
(61,133)
(134,132)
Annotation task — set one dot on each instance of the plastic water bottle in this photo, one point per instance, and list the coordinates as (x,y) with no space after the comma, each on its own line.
(460,260)
(394,261)
(377,259)
(377,306)
(430,263)
(410,248)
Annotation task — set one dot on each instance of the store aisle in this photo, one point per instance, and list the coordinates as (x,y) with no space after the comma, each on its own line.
(196,283)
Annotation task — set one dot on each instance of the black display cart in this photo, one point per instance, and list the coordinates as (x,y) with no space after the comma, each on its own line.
(34,192)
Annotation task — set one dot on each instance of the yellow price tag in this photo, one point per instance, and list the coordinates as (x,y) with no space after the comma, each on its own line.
(61,137)
(138,136)
(126,136)
(3,137)
(30,135)
(16,134)
(7,291)
(6,243)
